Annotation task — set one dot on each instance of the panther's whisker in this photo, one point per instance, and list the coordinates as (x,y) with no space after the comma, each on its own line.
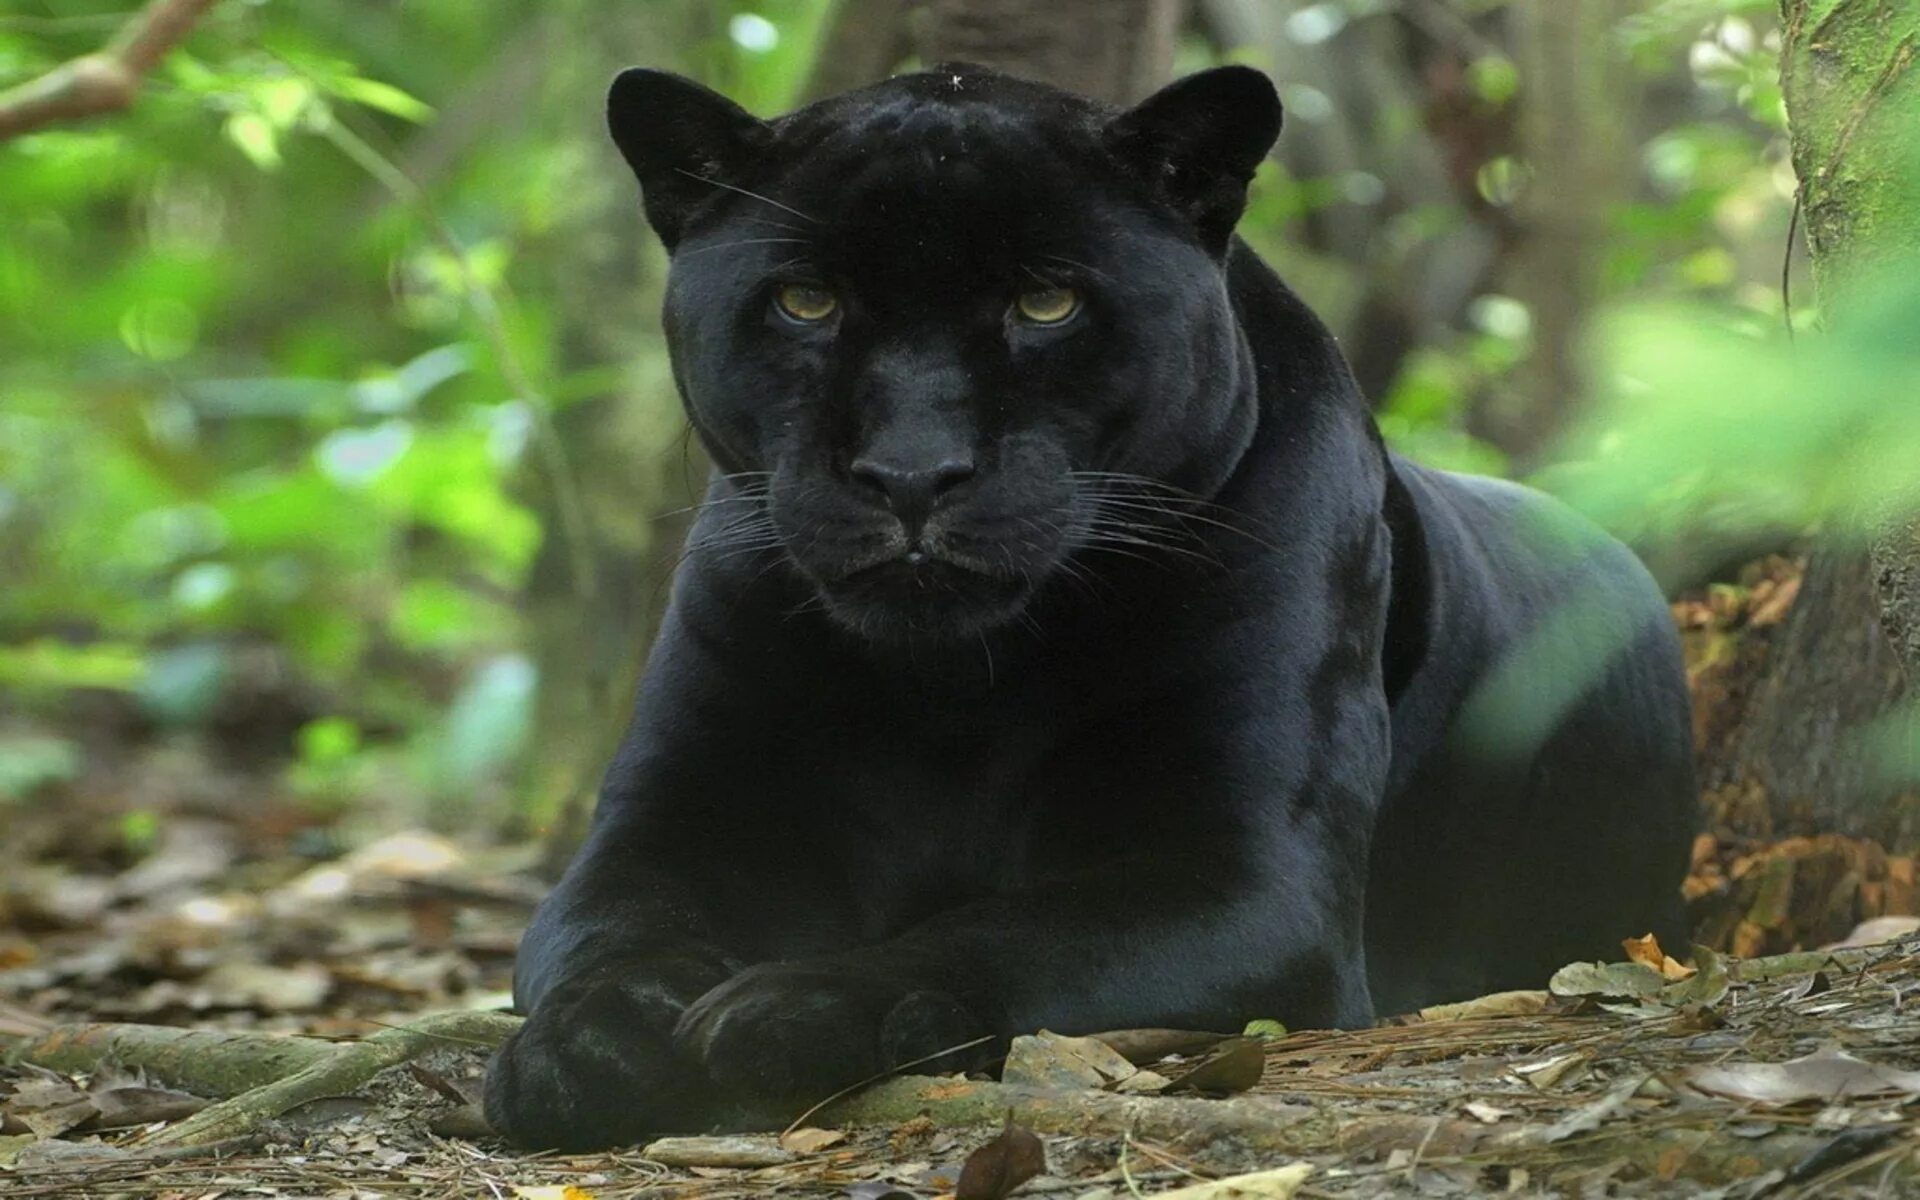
(707,179)
(748,242)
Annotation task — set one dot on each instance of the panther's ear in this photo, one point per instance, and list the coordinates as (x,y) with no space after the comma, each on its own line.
(682,140)
(1198,141)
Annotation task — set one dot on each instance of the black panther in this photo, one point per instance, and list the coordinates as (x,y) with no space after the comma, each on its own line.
(1058,645)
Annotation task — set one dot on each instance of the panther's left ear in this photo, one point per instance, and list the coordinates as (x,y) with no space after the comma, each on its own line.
(683,141)
(1198,141)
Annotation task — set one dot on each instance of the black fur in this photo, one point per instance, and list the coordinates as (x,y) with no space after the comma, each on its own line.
(1083,676)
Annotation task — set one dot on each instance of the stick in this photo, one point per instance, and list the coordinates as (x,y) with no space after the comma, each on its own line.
(105,81)
(345,1068)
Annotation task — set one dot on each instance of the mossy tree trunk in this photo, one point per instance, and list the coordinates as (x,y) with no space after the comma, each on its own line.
(1850,70)
(1851,73)
(1116,50)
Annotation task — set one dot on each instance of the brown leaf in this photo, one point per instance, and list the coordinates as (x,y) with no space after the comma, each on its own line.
(1646,951)
(1499,1004)
(726,1151)
(126,1107)
(1277,1184)
(1053,1060)
(1003,1164)
(1143,1046)
(1825,1075)
(1233,1066)
(808,1140)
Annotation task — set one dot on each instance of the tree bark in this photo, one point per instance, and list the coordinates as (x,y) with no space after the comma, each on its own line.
(1848,69)
(105,82)
(1831,675)
(1577,104)
(864,42)
(1113,50)
(1853,104)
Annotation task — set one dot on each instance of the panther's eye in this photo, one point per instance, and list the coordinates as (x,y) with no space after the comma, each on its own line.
(1048,306)
(805,304)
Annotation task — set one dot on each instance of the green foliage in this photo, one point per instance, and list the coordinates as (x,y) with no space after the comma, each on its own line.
(279,345)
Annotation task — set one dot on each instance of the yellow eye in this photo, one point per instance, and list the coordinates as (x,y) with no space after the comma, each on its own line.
(1048,306)
(804,303)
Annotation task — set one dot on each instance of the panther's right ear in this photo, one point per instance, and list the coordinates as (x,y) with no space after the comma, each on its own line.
(1197,142)
(683,141)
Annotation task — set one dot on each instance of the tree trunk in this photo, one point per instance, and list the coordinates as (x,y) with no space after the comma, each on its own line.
(1831,675)
(864,42)
(589,630)
(1577,103)
(1114,50)
(1853,102)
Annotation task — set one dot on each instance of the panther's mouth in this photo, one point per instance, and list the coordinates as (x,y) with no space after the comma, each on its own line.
(920,593)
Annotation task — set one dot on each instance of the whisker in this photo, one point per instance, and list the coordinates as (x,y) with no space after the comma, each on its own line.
(747,242)
(753,195)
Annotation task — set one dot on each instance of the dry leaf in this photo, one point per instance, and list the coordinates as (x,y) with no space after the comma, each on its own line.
(1627,980)
(1825,1075)
(1487,1114)
(1233,1066)
(1646,951)
(1277,1184)
(1549,1071)
(1878,930)
(1014,1156)
(808,1140)
(1499,1004)
(726,1151)
(1053,1060)
(1143,1046)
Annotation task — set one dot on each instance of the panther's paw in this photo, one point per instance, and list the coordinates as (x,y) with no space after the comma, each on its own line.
(595,1070)
(796,1033)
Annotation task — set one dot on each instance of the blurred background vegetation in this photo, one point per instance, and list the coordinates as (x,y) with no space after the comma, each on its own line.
(339,458)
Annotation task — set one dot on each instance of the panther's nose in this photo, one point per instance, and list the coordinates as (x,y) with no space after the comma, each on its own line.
(911,488)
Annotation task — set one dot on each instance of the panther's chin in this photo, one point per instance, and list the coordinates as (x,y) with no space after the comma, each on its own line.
(918,598)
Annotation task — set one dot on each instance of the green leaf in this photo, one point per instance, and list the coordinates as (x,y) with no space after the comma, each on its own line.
(382,96)
(257,139)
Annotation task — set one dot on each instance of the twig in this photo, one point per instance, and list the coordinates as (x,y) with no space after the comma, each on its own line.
(344,1070)
(105,81)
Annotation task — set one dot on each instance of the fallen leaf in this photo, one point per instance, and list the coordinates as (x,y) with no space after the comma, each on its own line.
(725,1151)
(1233,1066)
(1487,1114)
(808,1140)
(1708,985)
(1547,1072)
(1143,1046)
(564,1191)
(1646,951)
(1876,931)
(1052,1060)
(1277,1184)
(1825,1075)
(1499,1004)
(1630,980)
(126,1107)
(1014,1156)
(1589,1117)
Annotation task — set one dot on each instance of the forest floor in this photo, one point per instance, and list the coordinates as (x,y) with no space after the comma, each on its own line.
(1781,1063)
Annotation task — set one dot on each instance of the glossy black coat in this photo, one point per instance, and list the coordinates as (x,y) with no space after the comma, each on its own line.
(1183,704)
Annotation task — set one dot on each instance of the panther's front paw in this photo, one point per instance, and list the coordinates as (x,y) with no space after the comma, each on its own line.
(595,1070)
(795,1033)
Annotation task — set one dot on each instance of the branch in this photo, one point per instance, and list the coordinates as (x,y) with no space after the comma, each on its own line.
(103,82)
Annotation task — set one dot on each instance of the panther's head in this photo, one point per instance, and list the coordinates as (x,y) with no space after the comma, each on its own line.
(952,334)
